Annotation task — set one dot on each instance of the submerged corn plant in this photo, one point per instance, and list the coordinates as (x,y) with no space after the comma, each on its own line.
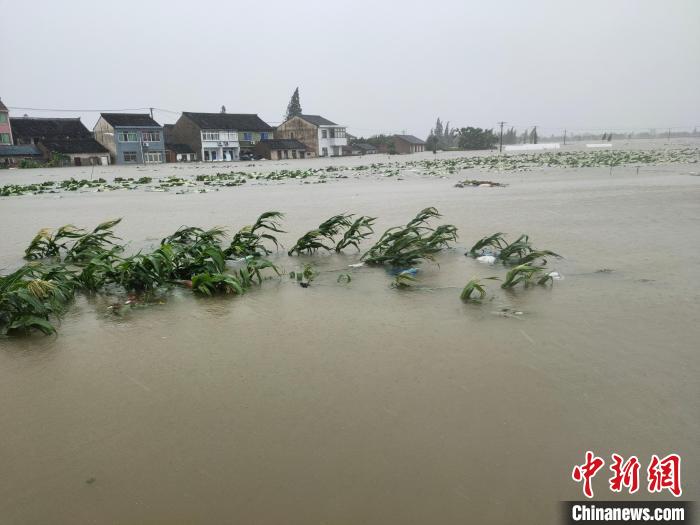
(31,295)
(527,275)
(305,276)
(212,283)
(516,253)
(314,240)
(99,240)
(474,290)
(360,229)
(408,245)
(48,244)
(249,240)
(403,279)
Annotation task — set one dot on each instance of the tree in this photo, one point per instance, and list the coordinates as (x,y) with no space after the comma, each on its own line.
(223,109)
(533,135)
(525,137)
(294,106)
(604,137)
(476,138)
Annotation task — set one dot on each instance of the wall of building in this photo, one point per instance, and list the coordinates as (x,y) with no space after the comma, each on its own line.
(141,148)
(187,132)
(334,146)
(5,127)
(104,134)
(299,129)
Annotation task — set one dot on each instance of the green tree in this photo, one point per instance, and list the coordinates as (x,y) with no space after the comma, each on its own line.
(533,135)
(476,138)
(294,106)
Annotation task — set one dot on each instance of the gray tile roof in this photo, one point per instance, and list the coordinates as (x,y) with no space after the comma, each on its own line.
(410,139)
(74,146)
(25,150)
(317,120)
(229,121)
(48,128)
(130,120)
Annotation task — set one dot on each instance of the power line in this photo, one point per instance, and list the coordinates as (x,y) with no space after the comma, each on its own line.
(79,110)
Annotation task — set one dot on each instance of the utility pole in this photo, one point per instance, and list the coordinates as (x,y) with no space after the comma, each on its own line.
(564,137)
(500,138)
(669,134)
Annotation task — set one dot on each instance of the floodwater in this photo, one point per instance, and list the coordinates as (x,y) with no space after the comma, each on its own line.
(359,403)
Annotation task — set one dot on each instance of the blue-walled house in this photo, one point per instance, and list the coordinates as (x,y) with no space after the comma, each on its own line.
(131,138)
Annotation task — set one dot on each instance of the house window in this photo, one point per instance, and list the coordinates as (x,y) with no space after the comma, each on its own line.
(291,135)
(324,152)
(151,136)
(206,155)
(129,156)
(338,133)
(128,136)
(154,156)
(3,117)
(247,136)
(264,136)
(210,135)
(294,154)
(4,138)
(324,134)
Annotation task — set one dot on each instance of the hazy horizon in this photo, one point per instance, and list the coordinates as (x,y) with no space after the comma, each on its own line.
(374,67)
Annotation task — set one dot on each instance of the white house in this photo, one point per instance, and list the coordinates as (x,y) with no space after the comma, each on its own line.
(319,135)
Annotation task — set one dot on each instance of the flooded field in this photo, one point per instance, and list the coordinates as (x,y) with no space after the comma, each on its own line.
(356,402)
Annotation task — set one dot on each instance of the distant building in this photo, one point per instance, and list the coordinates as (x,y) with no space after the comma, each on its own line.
(321,136)
(11,155)
(279,149)
(179,153)
(76,152)
(66,137)
(363,148)
(5,128)
(131,138)
(218,137)
(404,144)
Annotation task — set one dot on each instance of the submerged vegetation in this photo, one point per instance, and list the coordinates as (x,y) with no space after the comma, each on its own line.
(70,259)
(426,167)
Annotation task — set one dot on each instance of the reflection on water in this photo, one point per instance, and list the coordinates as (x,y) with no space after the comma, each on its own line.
(347,403)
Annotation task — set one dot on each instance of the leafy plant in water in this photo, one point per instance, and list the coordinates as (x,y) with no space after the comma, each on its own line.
(89,244)
(45,244)
(526,274)
(495,241)
(249,240)
(313,240)
(403,280)
(406,246)
(474,290)
(209,284)
(358,230)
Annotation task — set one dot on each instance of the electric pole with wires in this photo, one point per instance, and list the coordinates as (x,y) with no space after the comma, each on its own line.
(500,137)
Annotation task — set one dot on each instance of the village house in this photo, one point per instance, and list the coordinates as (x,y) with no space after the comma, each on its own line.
(11,155)
(131,138)
(179,153)
(218,137)
(321,136)
(66,139)
(403,144)
(279,149)
(5,128)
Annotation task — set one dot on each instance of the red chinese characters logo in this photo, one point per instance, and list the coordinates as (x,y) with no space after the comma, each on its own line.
(665,474)
(662,473)
(587,471)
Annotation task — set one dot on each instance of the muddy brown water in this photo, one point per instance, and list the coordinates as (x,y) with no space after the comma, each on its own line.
(359,403)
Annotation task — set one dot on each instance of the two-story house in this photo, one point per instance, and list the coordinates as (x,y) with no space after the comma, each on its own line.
(131,138)
(321,136)
(5,128)
(218,137)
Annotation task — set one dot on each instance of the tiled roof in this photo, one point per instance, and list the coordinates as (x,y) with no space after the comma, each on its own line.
(48,128)
(229,121)
(74,146)
(410,139)
(317,120)
(25,150)
(3,107)
(130,120)
(179,148)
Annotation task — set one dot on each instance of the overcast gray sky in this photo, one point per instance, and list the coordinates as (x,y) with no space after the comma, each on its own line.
(379,66)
